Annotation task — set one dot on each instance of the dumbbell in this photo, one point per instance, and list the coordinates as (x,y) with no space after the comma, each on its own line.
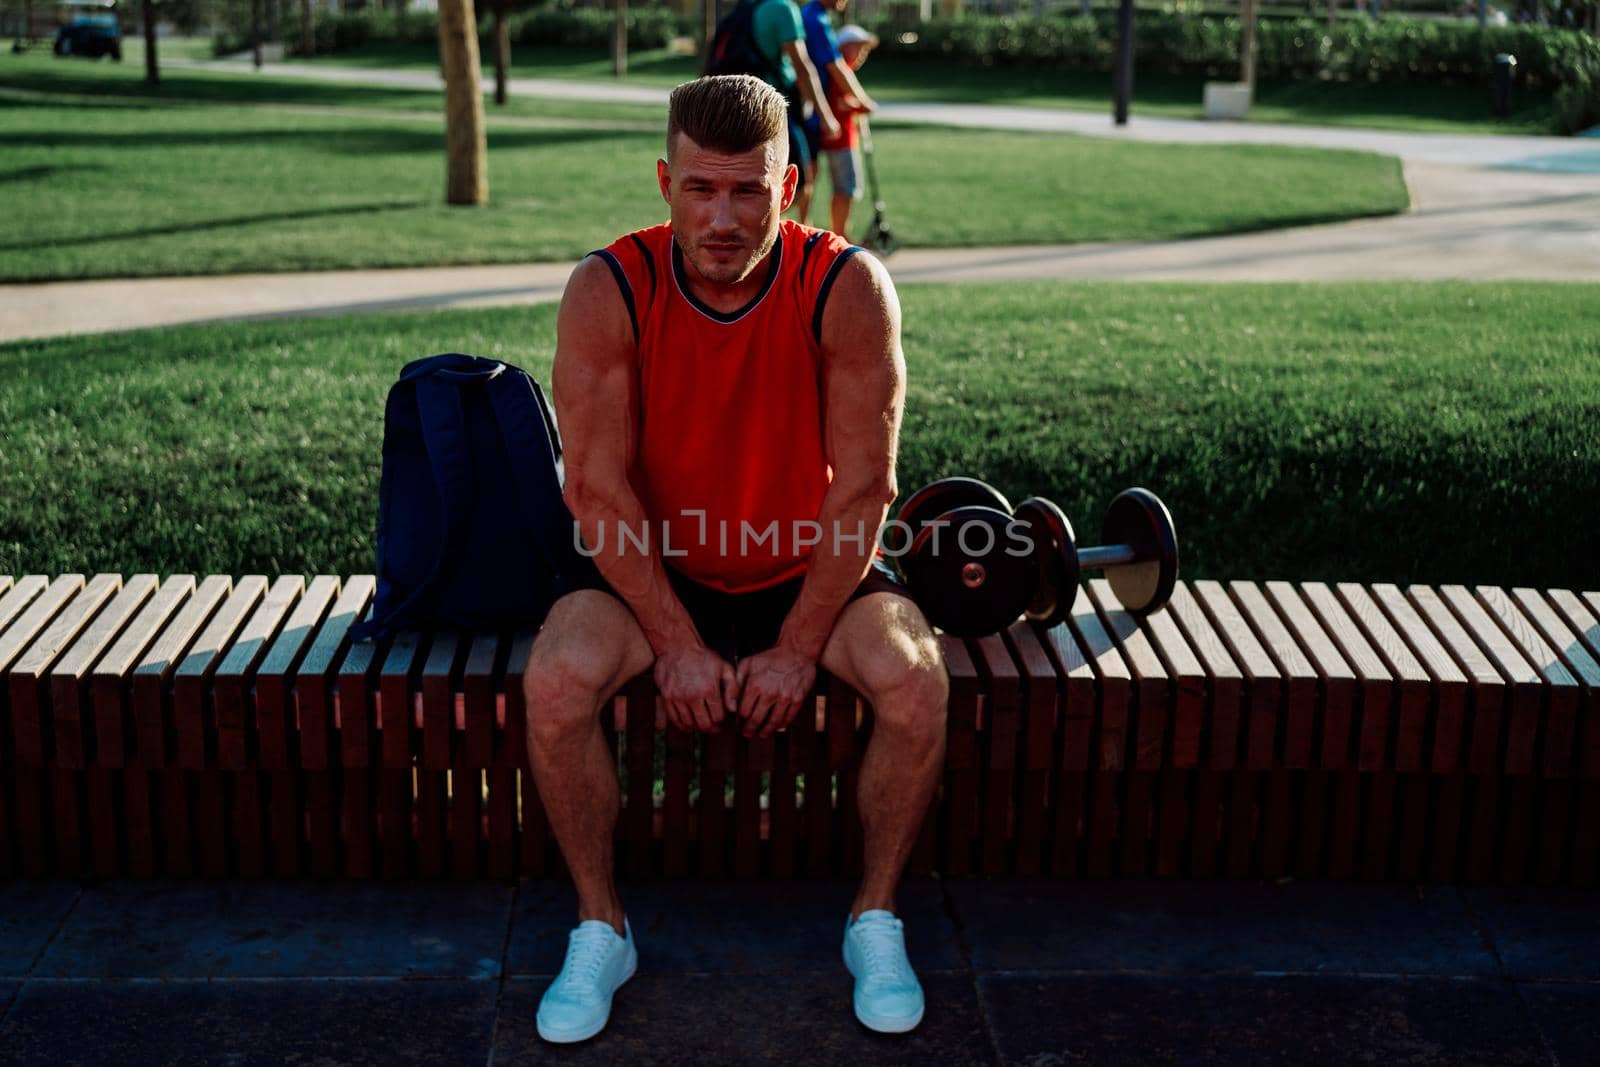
(970,584)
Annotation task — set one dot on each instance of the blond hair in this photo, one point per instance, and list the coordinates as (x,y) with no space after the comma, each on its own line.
(729,113)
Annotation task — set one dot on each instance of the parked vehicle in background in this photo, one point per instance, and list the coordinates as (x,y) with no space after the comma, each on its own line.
(92,36)
(91,31)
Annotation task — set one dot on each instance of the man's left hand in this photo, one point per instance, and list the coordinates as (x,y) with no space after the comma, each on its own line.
(772,686)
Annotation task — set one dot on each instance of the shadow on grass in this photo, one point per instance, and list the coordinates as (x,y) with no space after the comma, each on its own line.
(43,172)
(215,224)
(363,139)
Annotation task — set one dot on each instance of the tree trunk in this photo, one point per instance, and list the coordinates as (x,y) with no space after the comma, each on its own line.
(152,68)
(255,32)
(1333,13)
(502,52)
(708,28)
(308,35)
(619,38)
(466,149)
(1247,47)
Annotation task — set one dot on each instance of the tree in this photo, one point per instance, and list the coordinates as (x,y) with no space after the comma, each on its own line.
(1247,47)
(152,68)
(502,49)
(466,149)
(619,38)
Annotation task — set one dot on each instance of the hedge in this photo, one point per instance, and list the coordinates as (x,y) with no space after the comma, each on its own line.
(1564,63)
(343,31)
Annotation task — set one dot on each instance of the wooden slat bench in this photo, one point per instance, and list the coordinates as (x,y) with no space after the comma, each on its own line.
(226,727)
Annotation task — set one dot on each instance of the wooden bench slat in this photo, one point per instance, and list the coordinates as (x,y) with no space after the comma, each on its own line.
(469,774)
(76,760)
(34,614)
(1378,689)
(313,698)
(299,802)
(513,779)
(238,713)
(114,697)
(961,759)
(1568,624)
(1220,740)
(69,695)
(1111,730)
(1337,677)
(12,605)
(1521,743)
(1169,712)
(1330,788)
(1001,734)
(1039,702)
(1188,677)
(1561,688)
(436,720)
(1283,708)
(1574,612)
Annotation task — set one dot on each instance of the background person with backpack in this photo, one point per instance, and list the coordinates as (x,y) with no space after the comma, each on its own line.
(766,38)
(838,58)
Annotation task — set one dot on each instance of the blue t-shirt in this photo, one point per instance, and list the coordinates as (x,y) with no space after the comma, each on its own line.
(821,44)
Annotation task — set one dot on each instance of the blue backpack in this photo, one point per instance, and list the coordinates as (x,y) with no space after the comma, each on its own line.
(472,531)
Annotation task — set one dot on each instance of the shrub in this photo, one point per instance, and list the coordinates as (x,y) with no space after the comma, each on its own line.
(1564,63)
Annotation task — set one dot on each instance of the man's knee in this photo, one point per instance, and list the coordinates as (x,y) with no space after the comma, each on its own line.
(589,646)
(903,676)
(910,695)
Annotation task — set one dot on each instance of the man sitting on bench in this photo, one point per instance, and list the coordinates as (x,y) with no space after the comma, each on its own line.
(729,388)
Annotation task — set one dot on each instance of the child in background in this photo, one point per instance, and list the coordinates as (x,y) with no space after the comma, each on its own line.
(843,154)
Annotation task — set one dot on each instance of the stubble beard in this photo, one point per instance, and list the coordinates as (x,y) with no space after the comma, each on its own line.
(731,273)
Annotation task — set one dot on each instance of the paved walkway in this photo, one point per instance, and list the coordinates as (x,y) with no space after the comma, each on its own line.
(1015,972)
(1465,223)
(1484,208)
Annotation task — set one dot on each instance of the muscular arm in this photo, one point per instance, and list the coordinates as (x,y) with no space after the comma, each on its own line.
(810,85)
(597,409)
(864,398)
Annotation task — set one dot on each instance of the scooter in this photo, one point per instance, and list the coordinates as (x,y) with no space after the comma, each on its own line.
(879,237)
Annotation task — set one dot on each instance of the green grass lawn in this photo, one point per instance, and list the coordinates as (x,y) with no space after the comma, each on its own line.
(126,185)
(1399,432)
(1426,108)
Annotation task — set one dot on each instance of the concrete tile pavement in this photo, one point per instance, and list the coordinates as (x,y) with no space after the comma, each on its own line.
(1015,972)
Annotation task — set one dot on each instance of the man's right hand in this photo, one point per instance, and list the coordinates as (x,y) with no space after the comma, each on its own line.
(698,686)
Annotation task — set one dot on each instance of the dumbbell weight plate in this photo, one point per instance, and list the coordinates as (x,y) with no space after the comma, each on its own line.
(1138,517)
(1057,556)
(965,581)
(936,498)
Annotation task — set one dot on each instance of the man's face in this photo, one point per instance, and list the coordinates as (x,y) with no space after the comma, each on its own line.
(726,208)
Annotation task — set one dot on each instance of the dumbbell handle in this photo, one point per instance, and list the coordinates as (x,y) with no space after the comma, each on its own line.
(1098,556)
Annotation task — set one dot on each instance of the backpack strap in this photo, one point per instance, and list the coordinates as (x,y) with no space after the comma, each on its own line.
(530,447)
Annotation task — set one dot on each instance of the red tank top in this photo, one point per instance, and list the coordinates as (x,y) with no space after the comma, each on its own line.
(730,408)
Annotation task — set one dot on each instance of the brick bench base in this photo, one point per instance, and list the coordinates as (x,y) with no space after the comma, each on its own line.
(226,727)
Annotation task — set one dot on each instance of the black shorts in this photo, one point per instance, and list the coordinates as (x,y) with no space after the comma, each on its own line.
(737,625)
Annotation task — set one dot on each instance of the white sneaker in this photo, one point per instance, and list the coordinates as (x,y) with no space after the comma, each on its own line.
(578,1002)
(888,998)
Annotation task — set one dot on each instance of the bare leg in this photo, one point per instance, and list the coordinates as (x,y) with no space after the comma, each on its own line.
(841,212)
(589,648)
(885,650)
